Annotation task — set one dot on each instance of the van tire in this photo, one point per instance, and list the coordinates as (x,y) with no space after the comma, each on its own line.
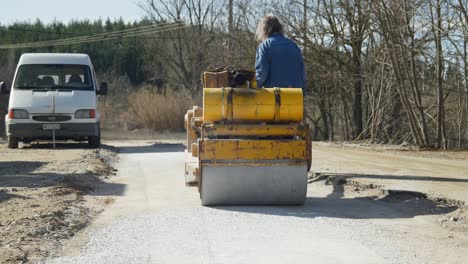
(12,142)
(94,142)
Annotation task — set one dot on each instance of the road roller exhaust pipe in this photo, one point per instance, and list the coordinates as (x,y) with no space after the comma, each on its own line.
(247,146)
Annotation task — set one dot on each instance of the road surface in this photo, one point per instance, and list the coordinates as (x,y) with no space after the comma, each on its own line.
(159,220)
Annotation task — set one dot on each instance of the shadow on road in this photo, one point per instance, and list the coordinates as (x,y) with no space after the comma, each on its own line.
(393,177)
(89,183)
(12,167)
(356,202)
(7,195)
(58,145)
(23,174)
(355,208)
(154,148)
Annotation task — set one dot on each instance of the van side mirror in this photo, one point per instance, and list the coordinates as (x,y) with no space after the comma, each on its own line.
(4,89)
(103,89)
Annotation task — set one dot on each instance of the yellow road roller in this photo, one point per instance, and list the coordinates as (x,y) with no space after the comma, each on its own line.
(247,146)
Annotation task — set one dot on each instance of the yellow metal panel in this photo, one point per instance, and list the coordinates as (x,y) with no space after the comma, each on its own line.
(253,150)
(244,105)
(254,130)
(251,104)
(253,83)
(194,149)
(291,97)
(191,134)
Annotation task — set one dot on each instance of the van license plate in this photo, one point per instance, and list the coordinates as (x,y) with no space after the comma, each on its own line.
(51,126)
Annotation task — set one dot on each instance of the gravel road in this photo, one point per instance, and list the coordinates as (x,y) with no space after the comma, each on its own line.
(159,220)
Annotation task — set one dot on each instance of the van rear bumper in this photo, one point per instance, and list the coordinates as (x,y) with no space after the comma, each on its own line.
(66,131)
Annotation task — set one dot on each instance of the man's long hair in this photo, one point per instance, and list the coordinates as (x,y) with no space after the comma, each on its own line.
(268,25)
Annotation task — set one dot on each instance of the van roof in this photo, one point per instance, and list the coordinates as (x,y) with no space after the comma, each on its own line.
(55,58)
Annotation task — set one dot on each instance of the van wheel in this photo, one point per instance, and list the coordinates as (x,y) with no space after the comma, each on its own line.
(12,142)
(94,142)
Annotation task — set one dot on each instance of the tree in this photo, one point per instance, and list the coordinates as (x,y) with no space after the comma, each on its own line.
(437,30)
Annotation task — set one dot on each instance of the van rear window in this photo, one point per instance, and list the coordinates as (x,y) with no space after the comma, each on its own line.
(56,76)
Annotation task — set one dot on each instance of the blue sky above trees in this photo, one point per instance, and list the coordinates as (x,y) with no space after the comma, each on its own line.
(66,10)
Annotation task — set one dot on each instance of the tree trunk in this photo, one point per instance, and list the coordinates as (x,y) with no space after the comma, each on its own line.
(230,29)
(357,110)
(323,113)
(346,126)
(441,138)
(464,118)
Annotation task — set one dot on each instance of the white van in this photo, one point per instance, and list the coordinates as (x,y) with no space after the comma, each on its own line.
(53,95)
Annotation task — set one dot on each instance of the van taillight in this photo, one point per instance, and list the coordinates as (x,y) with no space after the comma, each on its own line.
(92,113)
(11,114)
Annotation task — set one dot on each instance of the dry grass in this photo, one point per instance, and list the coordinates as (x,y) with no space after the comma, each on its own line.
(149,109)
(131,108)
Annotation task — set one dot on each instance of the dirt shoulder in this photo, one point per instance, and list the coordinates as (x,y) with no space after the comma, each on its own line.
(407,150)
(441,176)
(431,172)
(47,196)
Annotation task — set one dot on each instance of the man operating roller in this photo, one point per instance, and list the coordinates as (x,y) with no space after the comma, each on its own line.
(279,61)
(253,147)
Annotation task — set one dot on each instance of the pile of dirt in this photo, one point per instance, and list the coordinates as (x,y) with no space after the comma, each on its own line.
(42,195)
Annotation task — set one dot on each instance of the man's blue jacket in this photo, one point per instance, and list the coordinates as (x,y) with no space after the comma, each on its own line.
(279,63)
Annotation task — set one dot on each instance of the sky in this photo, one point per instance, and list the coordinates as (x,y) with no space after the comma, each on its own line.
(66,10)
